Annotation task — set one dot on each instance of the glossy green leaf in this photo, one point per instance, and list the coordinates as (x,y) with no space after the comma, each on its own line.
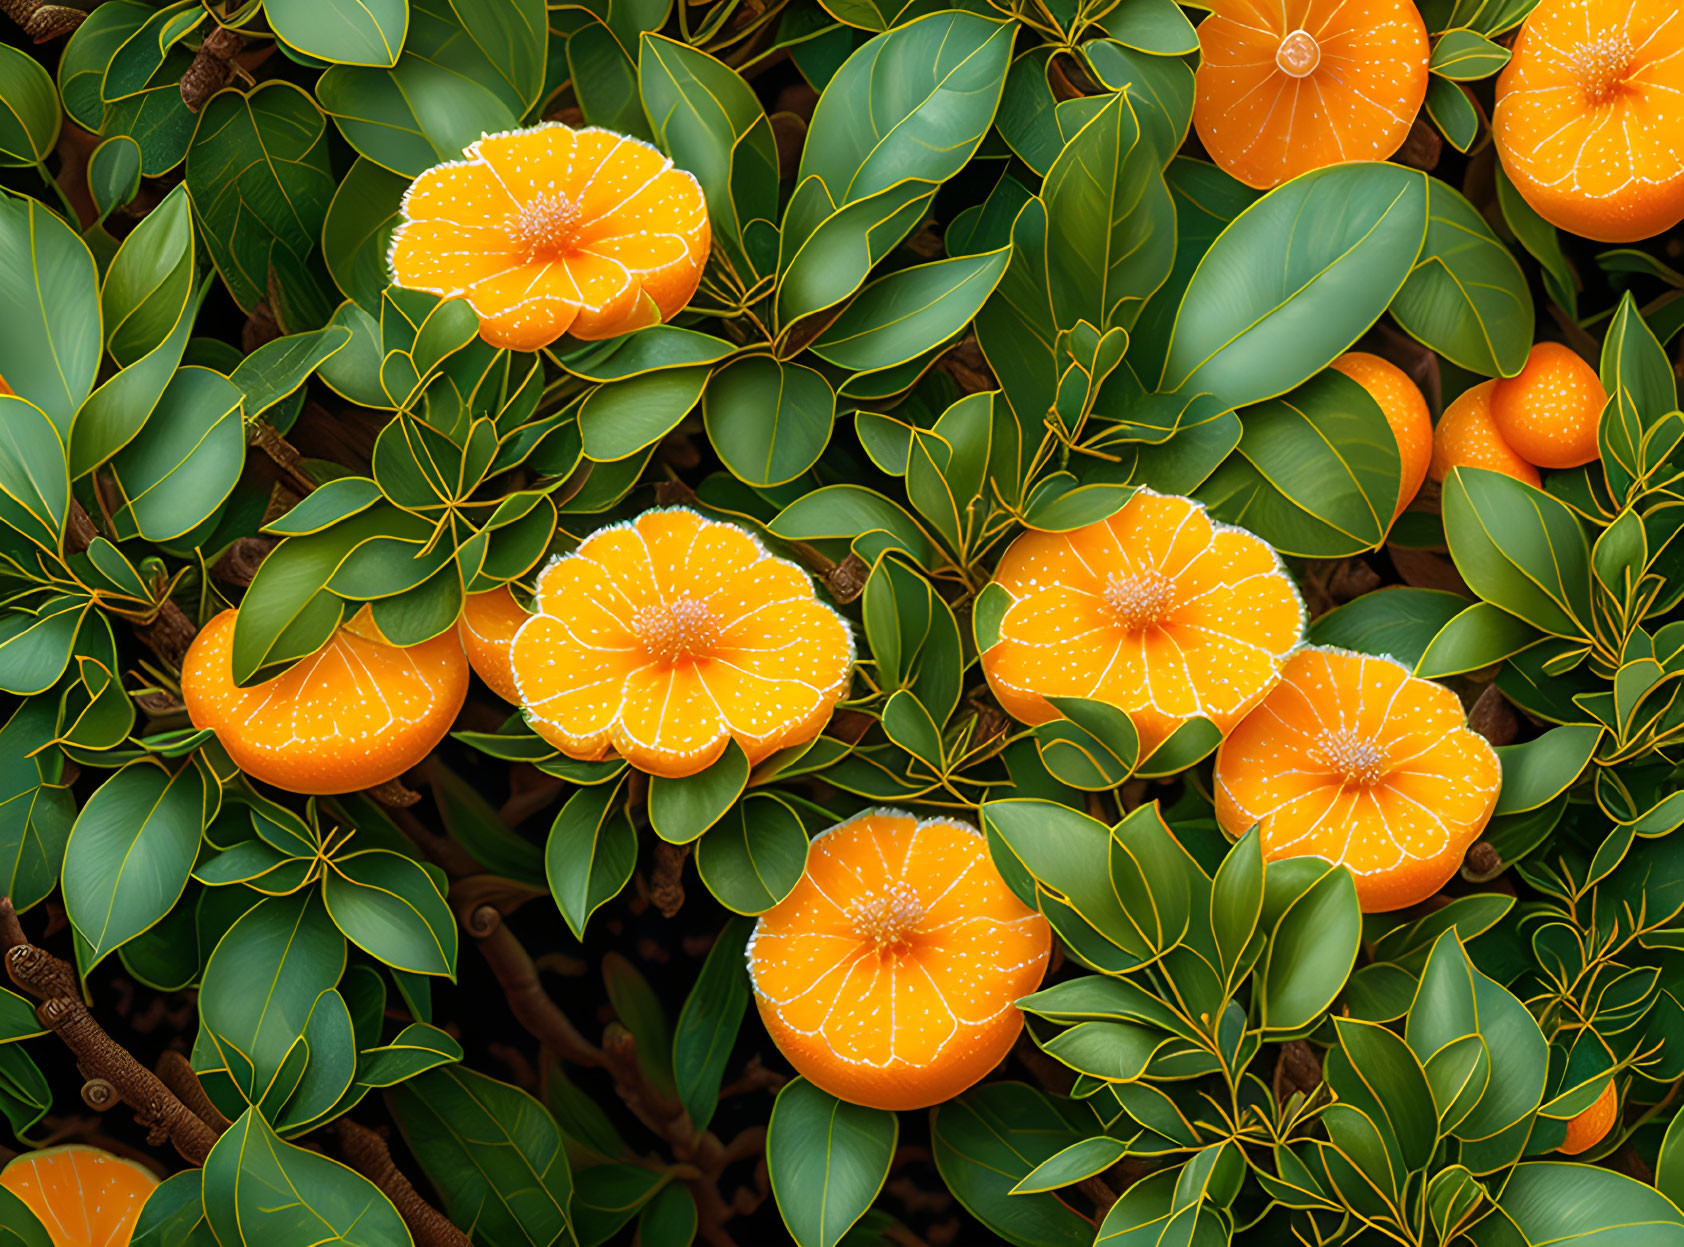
(768,419)
(388,906)
(50,351)
(34,480)
(708,1023)
(753,857)
(621,417)
(19,1227)
(186,459)
(1519,549)
(1311,952)
(1398,622)
(590,855)
(827,1159)
(680,810)
(898,317)
(1452,111)
(1466,55)
(1553,1201)
(346,32)
(114,173)
(29,112)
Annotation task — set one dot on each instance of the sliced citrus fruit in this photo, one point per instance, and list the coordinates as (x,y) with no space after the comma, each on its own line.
(888,976)
(1589,113)
(1549,413)
(83,1196)
(1286,86)
(664,638)
(1467,436)
(353,715)
(553,230)
(1590,1127)
(1158,610)
(1354,760)
(487,627)
(1405,409)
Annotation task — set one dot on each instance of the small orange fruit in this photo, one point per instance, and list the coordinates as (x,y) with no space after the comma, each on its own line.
(666,637)
(83,1196)
(1286,86)
(1590,1127)
(1467,436)
(487,627)
(553,230)
(1354,760)
(1157,610)
(1405,409)
(1588,113)
(888,976)
(353,715)
(1550,412)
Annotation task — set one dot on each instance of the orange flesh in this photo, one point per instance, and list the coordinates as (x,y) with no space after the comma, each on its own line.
(554,230)
(1405,409)
(83,1196)
(888,976)
(1589,120)
(664,638)
(1156,610)
(1354,760)
(1286,86)
(1590,1127)
(1549,414)
(354,714)
(1467,436)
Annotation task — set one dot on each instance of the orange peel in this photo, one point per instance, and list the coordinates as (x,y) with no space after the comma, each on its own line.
(1405,408)
(1549,413)
(83,1196)
(1467,436)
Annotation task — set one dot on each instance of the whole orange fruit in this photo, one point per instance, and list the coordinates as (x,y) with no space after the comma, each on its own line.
(1550,412)
(1467,436)
(1405,409)
(1590,1127)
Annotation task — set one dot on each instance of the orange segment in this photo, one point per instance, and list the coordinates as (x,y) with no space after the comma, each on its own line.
(353,715)
(664,638)
(1590,1127)
(1405,409)
(1467,436)
(83,1196)
(552,230)
(1550,412)
(889,975)
(1157,610)
(1589,120)
(1286,86)
(1354,760)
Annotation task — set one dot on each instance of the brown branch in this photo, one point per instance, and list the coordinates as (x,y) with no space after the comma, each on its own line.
(368,1154)
(42,21)
(530,1003)
(178,1074)
(170,635)
(666,879)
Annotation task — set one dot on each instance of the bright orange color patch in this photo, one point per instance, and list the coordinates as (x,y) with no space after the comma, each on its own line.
(487,627)
(1286,86)
(1549,413)
(664,638)
(888,976)
(1467,436)
(1157,610)
(83,1196)
(1405,409)
(1590,1127)
(1354,760)
(553,230)
(354,714)
(1590,116)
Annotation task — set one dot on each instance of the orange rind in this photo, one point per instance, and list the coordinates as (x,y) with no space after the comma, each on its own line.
(1590,1127)
(1405,408)
(487,628)
(1550,412)
(1467,436)
(84,1197)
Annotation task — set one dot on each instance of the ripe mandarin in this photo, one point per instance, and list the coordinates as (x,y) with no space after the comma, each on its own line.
(1354,760)
(1590,1127)
(1158,611)
(487,627)
(663,638)
(1467,436)
(1589,112)
(888,976)
(1549,413)
(1405,409)
(1286,86)
(553,230)
(83,1196)
(353,715)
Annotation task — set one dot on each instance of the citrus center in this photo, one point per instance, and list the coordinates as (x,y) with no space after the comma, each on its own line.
(887,920)
(671,632)
(545,228)
(1601,65)
(1139,601)
(1359,761)
(1299,54)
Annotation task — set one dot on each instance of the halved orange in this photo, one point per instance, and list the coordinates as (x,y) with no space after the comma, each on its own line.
(1354,760)
(1286,86)
(664,638)
(1405,409)
(487,627)
(553,230)
(1158,610)
(1589,120)
(84,1197)
(354,714)
(1467,436)
(1590,1127)
(1550,411)
(888,976)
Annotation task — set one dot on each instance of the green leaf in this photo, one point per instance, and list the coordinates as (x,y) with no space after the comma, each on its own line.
(1641,391)
(276,369)
(1453,112)
(34,480)
(753,857)
(620,418)
(828,1159)
(1537,771)
(36,813)
(1374,1070)
(1466,55)
(1554,1202)
(330,1048)
(855,512)
(1155,26)
(1394,622)
(187,458)
(1075,1163)
(417,1049)
(173,1215)
(669,1219)
(389,906)
(768,419)
(1539,238)
(680,810)
(590,855)
(1295,279)
(19,1227)
(114,174)
(1311,952)
(131,852)
(50,352)
(29,113)
(357,231)
(346,32)
(1093,746)
(709,1021)
(910,311)
(1477,637)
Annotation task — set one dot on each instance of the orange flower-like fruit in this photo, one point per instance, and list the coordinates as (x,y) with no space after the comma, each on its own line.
(487,627)
(1590,1127)
(82,1196)
(1354,760)
(1550,412)
(1589,110)
(665,638)
(1467,436)
(888,976)
(353,715)
(554,230)
(1286,86)
(1158,611)
(1405,409)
